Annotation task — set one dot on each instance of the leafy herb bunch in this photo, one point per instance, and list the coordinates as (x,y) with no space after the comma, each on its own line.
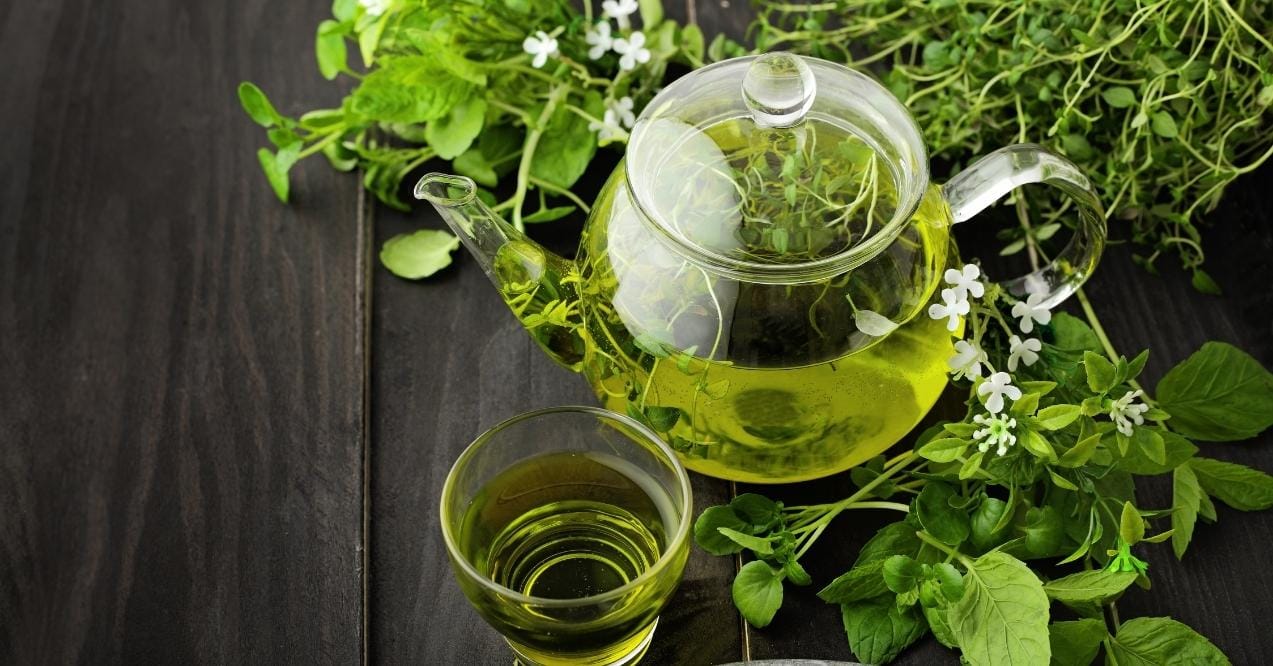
(526,89)
(1043,469)
(1163,103)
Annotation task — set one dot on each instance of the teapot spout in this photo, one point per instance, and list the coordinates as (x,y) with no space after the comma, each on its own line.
(539,286)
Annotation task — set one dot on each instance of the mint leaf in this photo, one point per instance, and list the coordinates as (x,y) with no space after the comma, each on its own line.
(757,592)
(564,150)
(1097,586)
(1237,485)
(1162,641)
(757,510)
(1003,616)
(866,580)
(420,254)
(985,519)
(948,524)
(1186,499)
(878,630)
(1075,643)
(707,532)
(1219,394)
(453,133)
(758,545)
(902,574)
(409,89)
(1176,450)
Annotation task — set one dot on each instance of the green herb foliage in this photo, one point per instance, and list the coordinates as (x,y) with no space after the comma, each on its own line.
(1162,104)
(964,560)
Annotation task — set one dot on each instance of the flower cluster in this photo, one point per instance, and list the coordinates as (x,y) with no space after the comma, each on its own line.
(631,49)
(619,118)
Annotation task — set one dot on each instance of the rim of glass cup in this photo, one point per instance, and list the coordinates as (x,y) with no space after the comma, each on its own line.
(681,533)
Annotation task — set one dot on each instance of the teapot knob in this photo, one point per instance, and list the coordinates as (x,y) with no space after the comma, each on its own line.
(778,89)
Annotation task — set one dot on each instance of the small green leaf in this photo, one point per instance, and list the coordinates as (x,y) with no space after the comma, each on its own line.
(276,166)
(651,13)
(1100,372)
(1131,527)
(1099,586)
(878,630)
(473,163)
(420,254)
(1218,394)
(1176,449)
(1002,619)
(1239,486)
(565,148)
(1057,416)
(1076,147)
(1162,641)
(757,510)
(257,105)
(1119,97)
(548,214)
(755,544)
(947,449)
(795,572)
(985,519)
(1203,283)
(757,592)
(902,574)
(1163,125)
(1037,444)
(1073,334)
(1081,452)
(661,419)
(329,49)
(707,532)
(455,132)
(1074,643)
(1044,531)
(946,523)
(866,580)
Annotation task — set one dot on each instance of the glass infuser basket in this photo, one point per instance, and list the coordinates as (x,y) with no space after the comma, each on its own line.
(752,279)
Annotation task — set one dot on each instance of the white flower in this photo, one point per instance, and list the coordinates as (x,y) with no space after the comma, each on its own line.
(600,39)
(375,7)
(619,10)
(1026,351)
(609,129)
(953,306)
(964,281)
(541,46)
(1125,412)
(967,360)
(632,50)
(1031,311)
(997,432)
(996,387)
(622,107)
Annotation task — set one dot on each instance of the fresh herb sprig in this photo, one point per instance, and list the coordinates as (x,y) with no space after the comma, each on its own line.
(1043,468)
(1162,103)
(520,90)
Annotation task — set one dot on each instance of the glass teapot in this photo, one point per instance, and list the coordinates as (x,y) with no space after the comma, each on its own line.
(752,279)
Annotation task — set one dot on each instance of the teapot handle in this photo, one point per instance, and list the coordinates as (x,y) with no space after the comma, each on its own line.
(990,178)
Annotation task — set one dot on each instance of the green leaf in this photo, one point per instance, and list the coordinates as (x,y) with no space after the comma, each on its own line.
(1218,394)
(651,13)
(1057,416)
(902,574)
(692,43)
(564,150)
(1151,444)
(1075,643)
(257,105)
(707,532)
(1163,125)
(1044,530)
(276,166)
(473,163)
(946,523)
(1097,586)
(329,49)
(1203,283)
(1077,147)
(866,580)
(1037,444)
(795,572)
(1073,334)
(757,510)
(1100,372)
(1119,97)
(420,254)
(1003,616)
(1186,498)
(1081,452)
(940,626)
(985,519)
(455,132)
(1131,527)
(1162,641)
(755,544)
(548,214)
(1239,486)
(757,592)
(1176,449)
(944,450)
(409,89)
(878,630)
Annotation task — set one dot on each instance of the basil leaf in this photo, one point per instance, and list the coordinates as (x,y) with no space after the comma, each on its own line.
(878,630)
(948,524)
(944,450)
(1219,394)
(409,89)
(985,518)
(453,133)
(1003,616)
(564,149)
(707,532)
(1075,643)
(1099,586)
(1186,499)
(757,592)
(1237,485)
(419,254)
(1162,641)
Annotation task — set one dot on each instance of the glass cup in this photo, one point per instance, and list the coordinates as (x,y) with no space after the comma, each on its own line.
(568,531)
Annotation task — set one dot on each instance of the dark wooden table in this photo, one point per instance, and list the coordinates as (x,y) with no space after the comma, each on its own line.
(223,427)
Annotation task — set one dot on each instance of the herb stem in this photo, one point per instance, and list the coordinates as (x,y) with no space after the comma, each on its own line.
(533,135)
(926,538)
(549,187)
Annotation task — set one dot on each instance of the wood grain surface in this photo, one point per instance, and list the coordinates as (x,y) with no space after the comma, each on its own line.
(214,409)
(181,356)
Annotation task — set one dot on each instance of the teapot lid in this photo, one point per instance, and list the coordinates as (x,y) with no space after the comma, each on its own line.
(777,168)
